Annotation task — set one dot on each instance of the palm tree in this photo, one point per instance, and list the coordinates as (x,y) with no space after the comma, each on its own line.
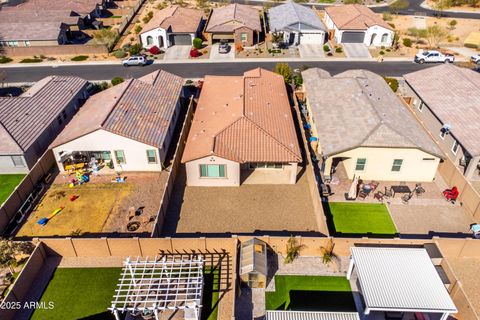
(328,256)
(293,249)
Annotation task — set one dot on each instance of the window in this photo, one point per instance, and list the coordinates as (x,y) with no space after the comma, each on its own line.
(397,165)
(420,107)
(152,156)
(64,115)
(385,38)
(26,43)
(428,159)
(244,36)
(265,165)
(18,161)
(360,166)
(149,40)
(120,156)
(212,171)
(59,119)
(442,134)
(455,147)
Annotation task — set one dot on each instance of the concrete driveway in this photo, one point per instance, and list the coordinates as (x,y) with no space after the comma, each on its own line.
(310,50)
(356,50)
(177,53)
(215,55)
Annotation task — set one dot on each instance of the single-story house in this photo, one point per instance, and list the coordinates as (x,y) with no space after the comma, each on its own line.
(243,128)
(128,127)
(446,99)
(30,122)
(236,22)
(356,119)
(173,25)
(297,23)
(355,23)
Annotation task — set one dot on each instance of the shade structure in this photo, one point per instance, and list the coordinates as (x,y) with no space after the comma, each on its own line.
(352,193)
(253,263)
(155,285)
(311,315)
(400,280)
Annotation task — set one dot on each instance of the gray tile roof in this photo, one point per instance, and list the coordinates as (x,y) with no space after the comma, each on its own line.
(23,119)
(289,15)
(453,95)
(139,109)
(357,108)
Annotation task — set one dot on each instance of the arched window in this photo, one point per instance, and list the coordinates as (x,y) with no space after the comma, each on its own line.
(384,37)
(149,40)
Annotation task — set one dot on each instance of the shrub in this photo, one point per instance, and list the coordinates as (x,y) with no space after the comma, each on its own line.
(135,49)
(407,42)
(103,85)
(194,53)
(154,50)
(79,58)
(284,70)
(148,17)
(339,50)
(392,82)
(31,60)
(388,50)
(470,45)
(197,43)
(4,59)
(326,48)
(119,54)
(137,29)
(391,25)
(381,53)
(117,80)
(387,16)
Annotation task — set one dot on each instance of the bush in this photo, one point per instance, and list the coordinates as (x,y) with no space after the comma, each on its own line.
(119,54)
(154,50)
(194,53)
(381,53)
(135,49)
(388,50)
(407,42)
(339,50)
(387,16)
(326,48)
(4,59)
(470,45)
(148,17)
(31,60)
(79,58)
(137,29)
(391,25)
(197,43)
(117,80)
(392,82)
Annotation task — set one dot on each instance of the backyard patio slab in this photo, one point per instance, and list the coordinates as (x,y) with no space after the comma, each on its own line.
(466,270)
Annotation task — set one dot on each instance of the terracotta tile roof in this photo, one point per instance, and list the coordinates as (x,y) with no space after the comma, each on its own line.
(135,109)
(232,17)
(244,119)
(25,118)
(175,19)
(81,7)
(452,93)
(357,108)
(355,17)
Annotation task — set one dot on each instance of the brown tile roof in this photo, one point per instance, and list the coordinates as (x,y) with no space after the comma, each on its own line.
(232,17)
(23,119)
(355,17)
(31,31)
(136,109)
(81,7)
(453,95)
(357,108)
(244,119)
(175,19)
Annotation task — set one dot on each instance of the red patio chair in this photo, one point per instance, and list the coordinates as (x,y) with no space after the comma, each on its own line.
(451,194)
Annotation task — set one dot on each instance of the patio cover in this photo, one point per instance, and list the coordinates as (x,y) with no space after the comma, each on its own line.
(400,280)
(311,315)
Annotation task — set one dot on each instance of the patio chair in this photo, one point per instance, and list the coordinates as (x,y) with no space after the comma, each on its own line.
(451,194)
(406,197)
(374,185)
(379,195)
(388,193)
(419,190)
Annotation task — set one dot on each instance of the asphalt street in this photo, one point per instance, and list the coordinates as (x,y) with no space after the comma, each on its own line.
(198,70)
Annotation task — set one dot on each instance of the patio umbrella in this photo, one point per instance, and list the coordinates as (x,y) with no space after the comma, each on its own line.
(352,193)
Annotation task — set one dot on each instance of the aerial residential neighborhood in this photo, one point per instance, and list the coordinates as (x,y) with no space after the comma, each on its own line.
(247,160)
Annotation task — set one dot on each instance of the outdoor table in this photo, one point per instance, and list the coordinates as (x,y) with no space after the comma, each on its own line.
(399,189)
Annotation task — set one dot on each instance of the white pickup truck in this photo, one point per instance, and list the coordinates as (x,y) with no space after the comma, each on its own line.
(433,56)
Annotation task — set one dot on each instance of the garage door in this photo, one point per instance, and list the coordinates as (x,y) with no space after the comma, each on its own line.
(316,38)
(180,39)
(352,37)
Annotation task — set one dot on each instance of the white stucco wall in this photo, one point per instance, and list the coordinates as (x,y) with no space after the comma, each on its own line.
(135,152)
(155,34)
(232,173)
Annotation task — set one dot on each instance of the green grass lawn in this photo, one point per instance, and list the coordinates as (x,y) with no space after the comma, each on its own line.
(310,293)
(79,293)
(361,218)
(8,182)
(211,293)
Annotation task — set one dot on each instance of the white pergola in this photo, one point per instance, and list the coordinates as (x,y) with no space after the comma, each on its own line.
(399,280)
(153,286)
(310,315)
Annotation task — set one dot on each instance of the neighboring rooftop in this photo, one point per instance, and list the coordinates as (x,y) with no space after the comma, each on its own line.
(244,119)
(31,31)
(175,19)
(310,315)
(295,17)
(23,119)
(357,108)
(80,7)
(452,93)
(139,109)
(245,16)
(355,17)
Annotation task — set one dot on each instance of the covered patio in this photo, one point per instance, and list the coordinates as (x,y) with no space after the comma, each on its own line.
(398,283)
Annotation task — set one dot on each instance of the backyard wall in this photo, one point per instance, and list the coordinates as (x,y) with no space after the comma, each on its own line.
(70,49)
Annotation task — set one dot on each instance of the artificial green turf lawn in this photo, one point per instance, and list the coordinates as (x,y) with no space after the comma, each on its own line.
(210,293)
(79,293)
(284,285)
(8,182)
(361,218)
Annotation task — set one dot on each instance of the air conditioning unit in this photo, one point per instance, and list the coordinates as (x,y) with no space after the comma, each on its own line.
(446,128)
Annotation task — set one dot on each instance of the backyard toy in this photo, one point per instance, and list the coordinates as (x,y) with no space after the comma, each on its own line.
(475,228)
(119,178)
(73,198)
(44,221)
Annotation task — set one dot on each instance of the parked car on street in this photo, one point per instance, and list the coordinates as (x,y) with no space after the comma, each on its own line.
(135,61)
(475,58)
(432,56)
(224,47)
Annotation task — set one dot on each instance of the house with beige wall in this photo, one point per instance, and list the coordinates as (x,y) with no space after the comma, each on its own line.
(357,121)
(242,132)
(446,99)
(129,126)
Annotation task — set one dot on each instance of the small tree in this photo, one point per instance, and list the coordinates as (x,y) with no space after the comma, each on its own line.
(398,5)
(407,42)
(328,256)
(9,250)
(285,71)
(202,4)
(435,35)
(452,24)
(417,33)
(135,49)
(293,249)
(197,43)
(441,5)
(277,37)
(137,29)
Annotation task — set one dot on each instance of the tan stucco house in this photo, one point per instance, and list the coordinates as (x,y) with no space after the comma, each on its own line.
(242,130)
(358,121)
(235,23)
(129,126)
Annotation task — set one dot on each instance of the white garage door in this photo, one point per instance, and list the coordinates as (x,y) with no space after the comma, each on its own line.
(316,38)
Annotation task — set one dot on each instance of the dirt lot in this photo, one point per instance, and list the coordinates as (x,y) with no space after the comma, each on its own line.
(244,209)
(101,206)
